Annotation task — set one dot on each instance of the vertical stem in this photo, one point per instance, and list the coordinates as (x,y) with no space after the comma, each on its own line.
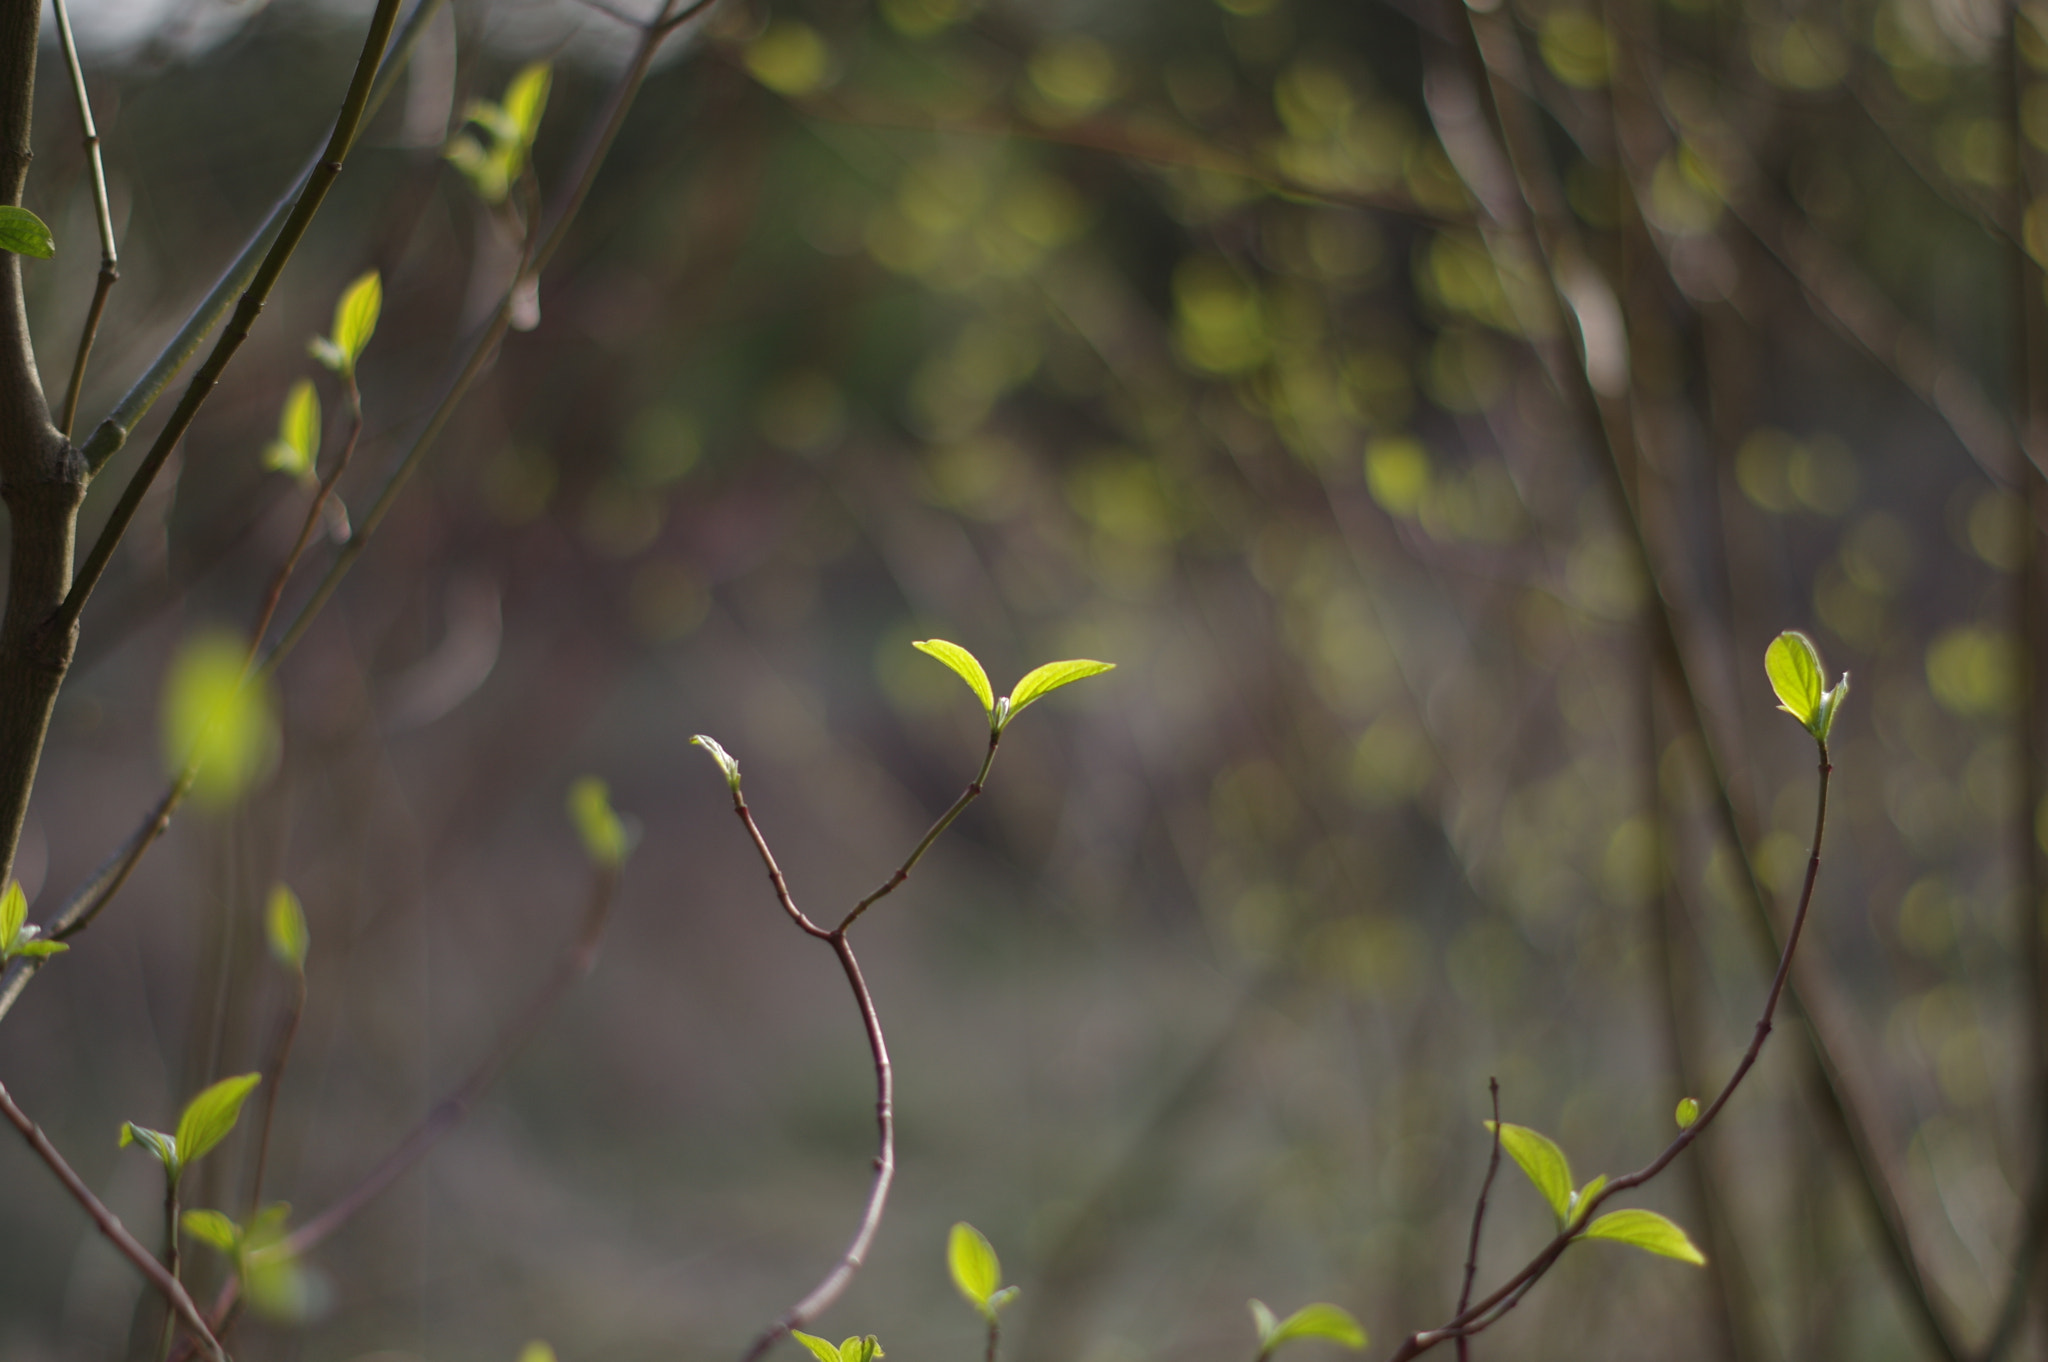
(163,1345)
(110,262)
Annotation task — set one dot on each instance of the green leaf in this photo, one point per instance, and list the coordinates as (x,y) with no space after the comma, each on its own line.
(156,1142)
(1688,1112)
(604,836)
(23,233)
(526,98)
(1001,1299)
(284,925)
(1647,1231)
(1830,706)
(1317,1321)
(214,721)
(296,450)
(277,1284)
(820,1349)
(860,1350)
(972,1260)
(725,762)
(1793,664)
(39,950)
(1263,1319)
(355,321)
(211,1227)
(1041,680)
(211,1115)
(965,665)
(13,914)
(1539,1157)
(536,1351)
(1583,1198)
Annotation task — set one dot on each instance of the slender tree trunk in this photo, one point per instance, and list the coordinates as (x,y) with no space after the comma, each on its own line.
(42,478)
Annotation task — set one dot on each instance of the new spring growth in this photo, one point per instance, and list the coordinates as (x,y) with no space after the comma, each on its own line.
(976,1271)
(1035,683)
(1794,666)
(1311,1321)
(18,936)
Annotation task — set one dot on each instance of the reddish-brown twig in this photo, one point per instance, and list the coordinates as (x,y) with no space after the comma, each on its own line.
(1479,1218)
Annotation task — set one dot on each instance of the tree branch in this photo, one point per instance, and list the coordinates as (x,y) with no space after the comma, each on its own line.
(110,261)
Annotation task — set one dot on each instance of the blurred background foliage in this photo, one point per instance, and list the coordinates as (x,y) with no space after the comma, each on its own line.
(1185,335)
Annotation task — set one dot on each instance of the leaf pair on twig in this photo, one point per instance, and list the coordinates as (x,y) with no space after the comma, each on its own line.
(1546,1166)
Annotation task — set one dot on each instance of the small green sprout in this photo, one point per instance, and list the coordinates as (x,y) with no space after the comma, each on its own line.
(856,1349)
(1036,683)
(19,938)
(1794,666)
(976,1271)
(1311,1321)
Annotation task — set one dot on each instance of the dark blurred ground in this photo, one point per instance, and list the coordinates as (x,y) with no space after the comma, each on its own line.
(1146,332)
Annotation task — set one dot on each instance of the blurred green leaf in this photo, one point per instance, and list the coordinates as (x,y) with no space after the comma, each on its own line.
(510,129)
(536,1351)
(526,98)
(1583,1198)
(1264,1320)
(724,759)
(38,950)
(1544,1163)
(296,450)
(1688,1112)
(209,1117)
(156,1142)
(1042,680)
(860,1349)
(820,1349)
(604,835)
(13,913)
(972,1260)
(965,665)
(214,721)
(213,1228)
(23,233)
(1320,1320)
(1647,1231)
(284,925)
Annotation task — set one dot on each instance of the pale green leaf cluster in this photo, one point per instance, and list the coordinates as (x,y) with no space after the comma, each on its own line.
(217,719)
(493,155)
(23,233)
(976,1271)
(205,1122)
(1036,683)
(1800,682)
(284,927)
(19,938)
(857,1349)
(1321,1320)
(355,321)
(273,1280)
(605,837)
(726,765)
(296,450)
(1539,1157)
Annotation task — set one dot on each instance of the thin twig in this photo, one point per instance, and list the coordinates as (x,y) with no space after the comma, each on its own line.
(272,1081)
(163,1344)
(314,513)
(110,262)
(827,1291)
(1479,1218)
(110,1225)
(237,331)
(967,796)
(1478,1317)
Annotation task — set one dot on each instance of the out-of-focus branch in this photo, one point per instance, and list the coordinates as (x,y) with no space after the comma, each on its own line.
(110,261)
(1479,1219)
(110,1225)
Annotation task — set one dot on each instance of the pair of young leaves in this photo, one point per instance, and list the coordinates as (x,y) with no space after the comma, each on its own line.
(296,450)
(972,1261)
(1800,682)
(1538,1156)
(205,1122)
(1035,684)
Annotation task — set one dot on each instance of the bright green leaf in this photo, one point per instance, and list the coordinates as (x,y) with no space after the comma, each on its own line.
(215,722)
(23,233)
(536,1351)
(1688,1112)
(211,1227)
(860,1350)
(296,450)
(39,950)
(1263,1319)
(604,836)
(1793,664)
(156,1142)
(211,1115)
(355,321)
(972,1260)
(1539,1157)
(1647,1231)
(1317,1321)
(965,665)
(820,1349)
(724,759)
(1040,680)
(526,98)
(284,926)
(13,913)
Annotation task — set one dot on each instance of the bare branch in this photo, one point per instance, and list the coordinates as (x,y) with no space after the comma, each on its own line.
(110,261)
